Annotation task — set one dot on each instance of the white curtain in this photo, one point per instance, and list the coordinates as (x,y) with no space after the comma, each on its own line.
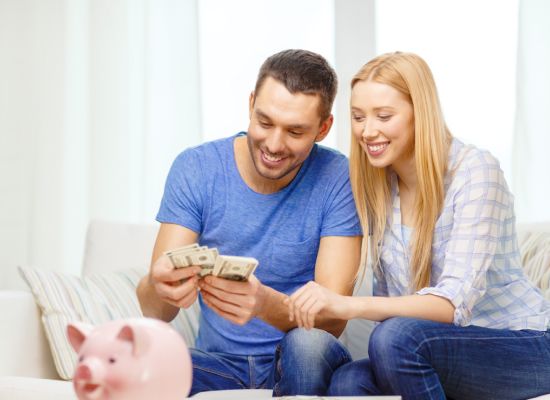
(531,153)
(98,97)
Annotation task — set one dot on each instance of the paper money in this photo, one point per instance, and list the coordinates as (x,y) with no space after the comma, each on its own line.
(234,268)
(212,263)
(194,255)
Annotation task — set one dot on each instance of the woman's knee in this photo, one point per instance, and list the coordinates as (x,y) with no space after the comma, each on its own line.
(395,337)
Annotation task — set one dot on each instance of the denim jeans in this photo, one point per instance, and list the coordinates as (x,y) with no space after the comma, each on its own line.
(303,363)
(420,359)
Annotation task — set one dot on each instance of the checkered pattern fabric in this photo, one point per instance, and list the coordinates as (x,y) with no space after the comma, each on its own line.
(475,256)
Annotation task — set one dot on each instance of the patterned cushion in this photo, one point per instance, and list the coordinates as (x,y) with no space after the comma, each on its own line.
(93,299)
(535,257)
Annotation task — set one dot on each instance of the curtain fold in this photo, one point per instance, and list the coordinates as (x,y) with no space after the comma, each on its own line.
(99,97)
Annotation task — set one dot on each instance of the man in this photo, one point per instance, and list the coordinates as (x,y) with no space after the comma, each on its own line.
(273,194)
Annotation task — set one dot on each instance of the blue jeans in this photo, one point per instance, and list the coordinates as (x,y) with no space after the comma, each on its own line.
(420,359)
(303,363)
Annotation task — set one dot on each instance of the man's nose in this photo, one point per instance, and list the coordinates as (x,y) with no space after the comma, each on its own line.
(275,142)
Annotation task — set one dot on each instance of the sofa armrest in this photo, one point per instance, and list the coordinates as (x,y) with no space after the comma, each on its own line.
(24,350)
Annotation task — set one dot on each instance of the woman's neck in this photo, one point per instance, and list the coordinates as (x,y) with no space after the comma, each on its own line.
(407,180)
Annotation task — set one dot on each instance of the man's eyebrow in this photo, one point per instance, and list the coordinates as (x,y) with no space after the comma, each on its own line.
(262,115)
(299,127)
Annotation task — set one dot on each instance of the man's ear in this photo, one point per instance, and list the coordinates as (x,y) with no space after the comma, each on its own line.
(251,104)
(325,128)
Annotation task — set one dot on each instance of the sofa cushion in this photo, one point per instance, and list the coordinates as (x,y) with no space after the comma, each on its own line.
(23,388)
(94,299)
(112,246)
(535,257)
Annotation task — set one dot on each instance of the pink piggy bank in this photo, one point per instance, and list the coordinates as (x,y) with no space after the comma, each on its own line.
(131,359)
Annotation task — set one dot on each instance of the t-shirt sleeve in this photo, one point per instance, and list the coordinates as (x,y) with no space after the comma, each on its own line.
(340,215)
(182,201)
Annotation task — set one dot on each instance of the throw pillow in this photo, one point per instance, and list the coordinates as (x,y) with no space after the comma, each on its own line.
(535,257)
(93,299)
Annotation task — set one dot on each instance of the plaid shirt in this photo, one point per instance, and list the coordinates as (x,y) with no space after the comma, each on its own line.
(475,257)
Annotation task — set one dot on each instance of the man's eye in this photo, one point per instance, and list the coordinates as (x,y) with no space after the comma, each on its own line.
(295,133)
(265,124)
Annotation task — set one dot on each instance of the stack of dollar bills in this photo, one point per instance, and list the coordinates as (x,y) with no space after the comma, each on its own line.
(212,263)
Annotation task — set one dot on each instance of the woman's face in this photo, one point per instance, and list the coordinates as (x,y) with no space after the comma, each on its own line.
(382,121)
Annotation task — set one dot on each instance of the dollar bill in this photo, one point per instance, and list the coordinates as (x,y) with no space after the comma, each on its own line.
(234,268)
(212,263)
(194,255)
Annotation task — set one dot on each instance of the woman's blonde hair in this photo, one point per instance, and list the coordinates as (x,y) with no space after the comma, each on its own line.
(410,75)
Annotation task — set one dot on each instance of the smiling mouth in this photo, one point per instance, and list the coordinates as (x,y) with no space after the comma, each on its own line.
(272,158)
(376,148)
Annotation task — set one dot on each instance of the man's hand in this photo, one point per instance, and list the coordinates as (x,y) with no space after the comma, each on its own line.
(237,302)
(175,286)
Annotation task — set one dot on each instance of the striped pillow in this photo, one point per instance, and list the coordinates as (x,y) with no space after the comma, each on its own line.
(93,299)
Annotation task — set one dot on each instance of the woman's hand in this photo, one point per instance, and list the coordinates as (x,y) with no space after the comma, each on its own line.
(310,300)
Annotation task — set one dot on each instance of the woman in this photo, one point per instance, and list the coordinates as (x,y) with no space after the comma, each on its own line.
(459,317)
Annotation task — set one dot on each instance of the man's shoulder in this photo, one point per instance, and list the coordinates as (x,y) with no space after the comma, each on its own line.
(206,152)
(329,156)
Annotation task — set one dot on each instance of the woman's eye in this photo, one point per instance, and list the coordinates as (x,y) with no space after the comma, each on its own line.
(384,117)
(358,118)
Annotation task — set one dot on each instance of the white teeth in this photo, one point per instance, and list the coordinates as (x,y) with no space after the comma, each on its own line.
(377,147)
(271,158)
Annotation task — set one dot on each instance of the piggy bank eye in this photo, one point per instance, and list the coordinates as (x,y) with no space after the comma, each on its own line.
(81,358)
(112,360)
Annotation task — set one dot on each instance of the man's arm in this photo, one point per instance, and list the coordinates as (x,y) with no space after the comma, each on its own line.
(336,266)
(165,289)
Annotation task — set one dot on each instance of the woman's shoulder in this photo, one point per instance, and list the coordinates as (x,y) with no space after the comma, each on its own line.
(468,156)
(469,162)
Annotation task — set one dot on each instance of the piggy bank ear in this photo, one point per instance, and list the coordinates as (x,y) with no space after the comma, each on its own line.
(77,333)
(137,337)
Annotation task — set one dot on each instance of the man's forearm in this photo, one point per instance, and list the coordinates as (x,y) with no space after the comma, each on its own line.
(151,305)
(275,313)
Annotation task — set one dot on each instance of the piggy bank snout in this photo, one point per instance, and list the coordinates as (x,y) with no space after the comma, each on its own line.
(83,373)
(89,370)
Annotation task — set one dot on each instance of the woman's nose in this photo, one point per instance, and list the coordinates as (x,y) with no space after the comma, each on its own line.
(370,130)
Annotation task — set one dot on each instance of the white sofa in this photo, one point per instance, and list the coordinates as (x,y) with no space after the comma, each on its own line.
(26,367)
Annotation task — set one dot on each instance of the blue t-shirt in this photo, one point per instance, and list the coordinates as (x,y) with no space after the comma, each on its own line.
(205,193)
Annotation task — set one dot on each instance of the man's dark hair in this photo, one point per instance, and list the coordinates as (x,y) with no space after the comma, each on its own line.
(302,71)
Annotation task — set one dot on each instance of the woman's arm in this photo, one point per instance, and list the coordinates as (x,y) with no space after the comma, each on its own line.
(308,301)
(434,308)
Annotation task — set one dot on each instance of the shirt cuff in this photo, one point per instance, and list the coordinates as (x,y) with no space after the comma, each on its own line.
(462,315)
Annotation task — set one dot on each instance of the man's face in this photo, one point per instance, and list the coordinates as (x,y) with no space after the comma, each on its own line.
(283,129)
